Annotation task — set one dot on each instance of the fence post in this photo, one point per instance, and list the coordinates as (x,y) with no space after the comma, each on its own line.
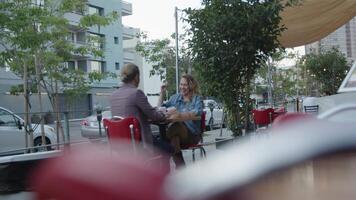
(66,128)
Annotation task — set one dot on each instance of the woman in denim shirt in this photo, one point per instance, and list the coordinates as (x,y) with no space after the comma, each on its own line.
(187,105)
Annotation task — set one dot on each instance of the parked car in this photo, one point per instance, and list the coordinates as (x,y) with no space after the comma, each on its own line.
(12,133)
(215,118)
(90,126)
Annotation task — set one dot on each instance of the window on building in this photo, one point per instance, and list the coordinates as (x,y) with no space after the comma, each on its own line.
(71,37)
(103,67)
(82,65)
(116,40)
(97,66)
(70,64)
(95,10)
(96,40)
(80,37)
(117,66)
(38,2)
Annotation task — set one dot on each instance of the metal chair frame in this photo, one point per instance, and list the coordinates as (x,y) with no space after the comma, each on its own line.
(200,145)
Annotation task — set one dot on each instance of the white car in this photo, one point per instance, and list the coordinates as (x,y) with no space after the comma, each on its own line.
(12,133)
(215,118)
(90,126)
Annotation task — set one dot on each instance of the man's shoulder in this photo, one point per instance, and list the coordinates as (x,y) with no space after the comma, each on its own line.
(126,91)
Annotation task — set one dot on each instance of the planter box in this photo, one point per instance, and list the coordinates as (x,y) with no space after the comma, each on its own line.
(222,142)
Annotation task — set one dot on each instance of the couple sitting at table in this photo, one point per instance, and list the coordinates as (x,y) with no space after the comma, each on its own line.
(130,101)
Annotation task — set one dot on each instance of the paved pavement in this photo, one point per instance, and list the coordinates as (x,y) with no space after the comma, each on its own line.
(210,140)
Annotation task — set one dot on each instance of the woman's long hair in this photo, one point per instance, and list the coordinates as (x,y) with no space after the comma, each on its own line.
(192,83)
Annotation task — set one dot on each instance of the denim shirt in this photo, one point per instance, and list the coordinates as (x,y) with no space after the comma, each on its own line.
(194,106)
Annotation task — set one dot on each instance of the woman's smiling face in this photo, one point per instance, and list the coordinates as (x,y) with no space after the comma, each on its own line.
(184,87)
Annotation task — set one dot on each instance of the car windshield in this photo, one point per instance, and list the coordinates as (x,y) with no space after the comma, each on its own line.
(207,102)
(107,114)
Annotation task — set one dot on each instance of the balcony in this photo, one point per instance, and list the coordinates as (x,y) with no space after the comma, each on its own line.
(74,20)
(129,56)
(126,8)
(79,44)
(128,33)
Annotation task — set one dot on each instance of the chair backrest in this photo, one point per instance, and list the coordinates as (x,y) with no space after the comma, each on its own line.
(202,120)
(311,109)
(290,117)
(262,117)
(278,112)
(126,128)
(91,173)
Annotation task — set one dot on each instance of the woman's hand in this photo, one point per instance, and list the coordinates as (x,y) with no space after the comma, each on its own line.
(163,88)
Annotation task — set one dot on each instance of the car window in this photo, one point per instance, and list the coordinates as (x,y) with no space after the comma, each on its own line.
(207,102)
(7,119)
(107,114)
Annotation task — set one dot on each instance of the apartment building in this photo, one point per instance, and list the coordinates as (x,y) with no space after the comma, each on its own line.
(149,84)
(343,38)
(112,36)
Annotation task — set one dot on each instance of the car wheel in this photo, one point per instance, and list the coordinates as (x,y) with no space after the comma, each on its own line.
(38,143)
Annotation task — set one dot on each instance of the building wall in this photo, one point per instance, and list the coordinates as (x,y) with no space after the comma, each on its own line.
(113,53)
(344,38)
(150,85)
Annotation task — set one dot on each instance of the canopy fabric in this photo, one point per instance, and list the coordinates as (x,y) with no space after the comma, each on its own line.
(312,20)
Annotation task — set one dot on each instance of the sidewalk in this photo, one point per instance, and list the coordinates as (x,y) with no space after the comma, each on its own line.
(210,147)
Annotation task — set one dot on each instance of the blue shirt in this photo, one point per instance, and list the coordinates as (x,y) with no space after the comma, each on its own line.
(194,106)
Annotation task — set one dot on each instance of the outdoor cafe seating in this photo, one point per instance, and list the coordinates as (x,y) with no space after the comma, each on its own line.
(265,117)
(128,130)
(200,145)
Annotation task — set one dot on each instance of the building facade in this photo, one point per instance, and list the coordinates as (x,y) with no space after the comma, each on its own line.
(343,38)
(149,84)
(112,36)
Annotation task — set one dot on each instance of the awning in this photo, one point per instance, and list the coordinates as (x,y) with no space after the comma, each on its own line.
(314,19)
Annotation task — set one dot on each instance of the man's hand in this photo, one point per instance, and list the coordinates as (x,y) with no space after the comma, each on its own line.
(173,117)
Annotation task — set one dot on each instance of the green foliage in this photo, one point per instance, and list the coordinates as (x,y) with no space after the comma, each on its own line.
(284,81)
(29,31)
(327,69)
(230,41)
(161,55)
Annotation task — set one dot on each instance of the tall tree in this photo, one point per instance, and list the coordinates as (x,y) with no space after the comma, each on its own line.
(230,40)
(328,69)
(34,36)
(161,54)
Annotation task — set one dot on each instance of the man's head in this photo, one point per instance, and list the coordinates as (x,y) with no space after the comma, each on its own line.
(130,74)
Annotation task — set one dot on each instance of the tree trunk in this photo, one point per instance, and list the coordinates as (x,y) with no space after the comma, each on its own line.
(247,106)
(25,89)
(59,126)
(38,77)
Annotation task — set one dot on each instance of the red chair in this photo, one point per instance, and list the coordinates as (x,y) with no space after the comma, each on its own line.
(278,112)
(199,145)
(91,173)
(262,117)
(290,117)
(127,129)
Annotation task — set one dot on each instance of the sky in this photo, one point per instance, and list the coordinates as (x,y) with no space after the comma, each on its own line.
(156,17)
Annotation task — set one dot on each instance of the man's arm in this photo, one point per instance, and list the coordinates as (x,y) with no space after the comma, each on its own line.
(147,109)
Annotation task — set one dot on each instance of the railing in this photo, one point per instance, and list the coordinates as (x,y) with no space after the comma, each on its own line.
(71,129)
